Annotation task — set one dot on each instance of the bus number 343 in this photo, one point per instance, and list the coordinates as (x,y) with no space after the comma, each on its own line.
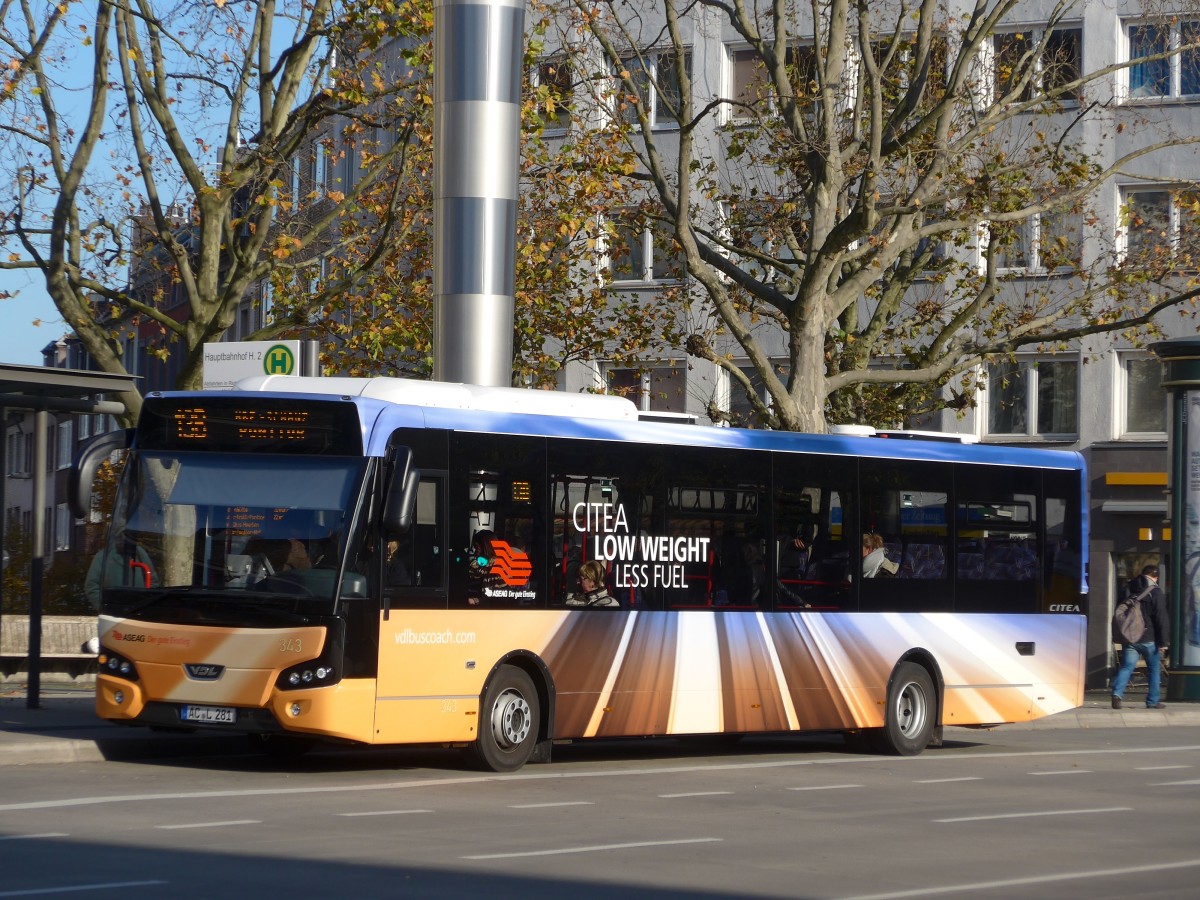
(290,645)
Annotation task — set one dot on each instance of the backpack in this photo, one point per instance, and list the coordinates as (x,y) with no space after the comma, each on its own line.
(1128,622)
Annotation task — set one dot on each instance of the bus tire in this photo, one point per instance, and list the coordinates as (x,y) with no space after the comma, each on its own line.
(509,718)
(911,708)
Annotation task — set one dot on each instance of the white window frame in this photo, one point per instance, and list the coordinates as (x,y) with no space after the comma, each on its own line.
(647,384)
(1036,34)
(648,61)
(62,527)
(1034,257)
(1121,419)
(555,126)
(1030,364)
(64,451)
(1174,214)
(645,250)
(1172,62)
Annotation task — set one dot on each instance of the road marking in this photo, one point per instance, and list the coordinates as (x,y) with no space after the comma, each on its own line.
(1029,815)
(387,812)
(595,848)
(947,780)
(1158,768)
(825,787)
(76,888)
(210,824)
(33,837)
(927,760)
(1030,880)
(1064,772)
(694,794)
(547,805)
(1192,783)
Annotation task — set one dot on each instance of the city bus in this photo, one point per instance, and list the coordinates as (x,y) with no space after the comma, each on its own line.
(383,561)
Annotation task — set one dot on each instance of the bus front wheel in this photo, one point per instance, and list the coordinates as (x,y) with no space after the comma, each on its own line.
(509,719)
(911,709)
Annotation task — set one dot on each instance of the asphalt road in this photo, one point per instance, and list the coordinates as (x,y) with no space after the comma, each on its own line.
(1063,814)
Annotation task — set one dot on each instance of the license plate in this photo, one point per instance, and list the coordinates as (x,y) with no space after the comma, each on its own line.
(221,715)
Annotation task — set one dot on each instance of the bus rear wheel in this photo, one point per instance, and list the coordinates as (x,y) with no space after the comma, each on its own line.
(509,720)
(909,719)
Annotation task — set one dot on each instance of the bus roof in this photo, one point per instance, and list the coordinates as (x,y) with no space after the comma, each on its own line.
(390,403)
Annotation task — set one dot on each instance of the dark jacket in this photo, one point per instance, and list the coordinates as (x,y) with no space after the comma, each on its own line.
(1154,613)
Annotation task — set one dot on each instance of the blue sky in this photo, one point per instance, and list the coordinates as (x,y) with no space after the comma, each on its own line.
(21,341)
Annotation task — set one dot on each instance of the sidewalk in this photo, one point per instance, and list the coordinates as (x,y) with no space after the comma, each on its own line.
(65,727)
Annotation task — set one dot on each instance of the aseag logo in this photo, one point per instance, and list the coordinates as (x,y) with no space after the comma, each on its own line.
(512,565)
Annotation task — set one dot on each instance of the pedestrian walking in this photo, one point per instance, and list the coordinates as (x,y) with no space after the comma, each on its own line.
(1150,645)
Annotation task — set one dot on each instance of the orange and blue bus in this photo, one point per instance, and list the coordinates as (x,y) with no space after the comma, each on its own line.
(382,561)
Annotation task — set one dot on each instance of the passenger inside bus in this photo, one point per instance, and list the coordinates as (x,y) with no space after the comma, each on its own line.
(875,563)
(593,592)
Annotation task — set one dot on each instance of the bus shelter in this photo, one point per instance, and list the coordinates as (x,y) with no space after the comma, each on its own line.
(1181,380)
(42,390)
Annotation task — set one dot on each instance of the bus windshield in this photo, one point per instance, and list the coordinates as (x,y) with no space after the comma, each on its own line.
(253,529)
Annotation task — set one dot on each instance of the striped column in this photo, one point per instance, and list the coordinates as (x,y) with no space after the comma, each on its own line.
(477,58)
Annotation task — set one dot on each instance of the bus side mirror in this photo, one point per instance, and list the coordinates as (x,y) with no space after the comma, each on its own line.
(87,461)
(400,504)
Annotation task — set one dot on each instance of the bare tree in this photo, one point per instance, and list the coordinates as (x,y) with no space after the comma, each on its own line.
(852,212)
(215,126)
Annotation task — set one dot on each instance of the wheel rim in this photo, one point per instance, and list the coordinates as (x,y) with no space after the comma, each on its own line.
(911,710)
(511,719)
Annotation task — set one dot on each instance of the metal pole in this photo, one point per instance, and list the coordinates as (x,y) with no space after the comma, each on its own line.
(41,420)
(477,53)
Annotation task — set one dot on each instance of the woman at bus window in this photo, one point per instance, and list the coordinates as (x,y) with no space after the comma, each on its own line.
(875,563)
(592,590)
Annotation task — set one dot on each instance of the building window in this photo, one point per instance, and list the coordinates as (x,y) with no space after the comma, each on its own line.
(750,85)
(63,453)
(1044,242)
(20,453)
(643,252)
(62,527)
(1145,400)
(552,81)
(1155,222)
(661,389)
(1033,398)
(1175,74)
(655,78)
(1058,65)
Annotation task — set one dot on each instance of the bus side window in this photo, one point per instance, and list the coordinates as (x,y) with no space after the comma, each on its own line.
(413,564)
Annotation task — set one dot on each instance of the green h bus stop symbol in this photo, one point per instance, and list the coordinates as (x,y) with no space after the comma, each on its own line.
(279,360)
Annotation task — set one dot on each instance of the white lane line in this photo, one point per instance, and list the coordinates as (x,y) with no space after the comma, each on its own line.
(209,824)
(33,837)
(387,812)
(1030,815)
(1064,772)
(548,805)
(1157,768)
(927,760)
(825,787)
(694,794)
(1192,783)
(947,780)
(595,848)
(76,888)
(1030,880)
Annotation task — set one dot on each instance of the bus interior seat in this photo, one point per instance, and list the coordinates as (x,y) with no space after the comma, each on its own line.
(926,561)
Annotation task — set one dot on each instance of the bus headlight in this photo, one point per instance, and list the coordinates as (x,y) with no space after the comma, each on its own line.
(311,674)
(116,665)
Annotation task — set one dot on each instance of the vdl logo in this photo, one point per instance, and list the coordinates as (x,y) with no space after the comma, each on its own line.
(279,360)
